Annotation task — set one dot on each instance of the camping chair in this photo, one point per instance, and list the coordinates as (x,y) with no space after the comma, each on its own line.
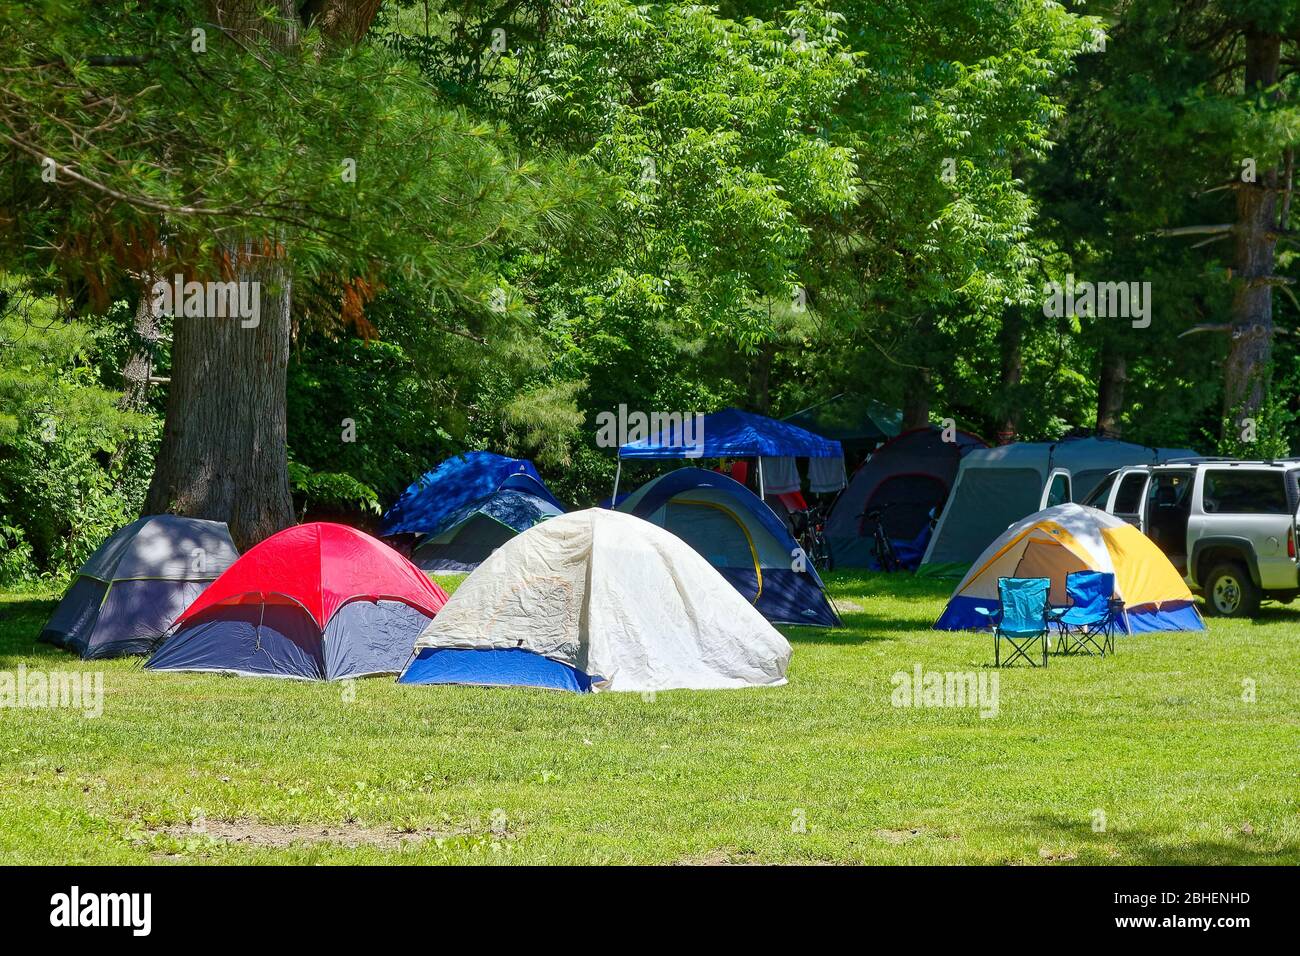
(1089,621)
(1022,618)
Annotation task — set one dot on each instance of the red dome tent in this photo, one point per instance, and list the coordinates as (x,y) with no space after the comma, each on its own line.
(317,602)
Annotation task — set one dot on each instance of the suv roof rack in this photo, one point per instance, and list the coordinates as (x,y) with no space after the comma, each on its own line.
(1225,460)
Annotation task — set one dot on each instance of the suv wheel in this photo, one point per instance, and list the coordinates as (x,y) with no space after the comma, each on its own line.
(1229,592)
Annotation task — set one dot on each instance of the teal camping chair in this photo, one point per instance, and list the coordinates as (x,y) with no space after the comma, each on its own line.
(1022,619)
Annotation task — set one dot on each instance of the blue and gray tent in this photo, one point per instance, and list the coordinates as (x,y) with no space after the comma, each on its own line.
(436,496)
(128,593)
(476,530)
(740,536)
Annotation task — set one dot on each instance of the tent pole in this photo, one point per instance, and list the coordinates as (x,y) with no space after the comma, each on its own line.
(762,493)
(613,499)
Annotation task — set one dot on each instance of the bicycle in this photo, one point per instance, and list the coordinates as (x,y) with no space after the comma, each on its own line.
(882,548)
(810,533)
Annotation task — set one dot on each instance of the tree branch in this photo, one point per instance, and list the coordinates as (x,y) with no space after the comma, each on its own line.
(1207,327)
(1196,230)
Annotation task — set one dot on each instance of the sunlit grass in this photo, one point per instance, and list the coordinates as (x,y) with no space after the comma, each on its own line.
(1156,747)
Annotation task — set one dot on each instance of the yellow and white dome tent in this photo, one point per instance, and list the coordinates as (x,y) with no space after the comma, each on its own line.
(1069,537)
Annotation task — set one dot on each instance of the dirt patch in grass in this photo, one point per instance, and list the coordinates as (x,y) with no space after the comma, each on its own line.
(719,857)
(279,835)
(897,836)
(1056,856)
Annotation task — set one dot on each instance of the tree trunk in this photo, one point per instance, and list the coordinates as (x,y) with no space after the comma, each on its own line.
(224,454)
(1011,336)
(145,334)
(916,400)
(1110,391)
(761,378)
(1249,353)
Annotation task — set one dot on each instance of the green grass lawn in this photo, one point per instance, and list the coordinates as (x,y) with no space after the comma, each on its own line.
(1157,740)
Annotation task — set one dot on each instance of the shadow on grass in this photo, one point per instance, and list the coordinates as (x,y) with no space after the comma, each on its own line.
(1143,847)
(834,636)
(20,625)
(1272,613)
(859,628)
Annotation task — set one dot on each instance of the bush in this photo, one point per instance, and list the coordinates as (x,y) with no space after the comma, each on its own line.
(64,485)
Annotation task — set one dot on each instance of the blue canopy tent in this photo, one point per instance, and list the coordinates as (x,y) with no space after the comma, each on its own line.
(730,433)
(433,501)
(741,537)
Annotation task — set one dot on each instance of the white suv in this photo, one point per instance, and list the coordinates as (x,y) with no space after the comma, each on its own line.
(1229,526)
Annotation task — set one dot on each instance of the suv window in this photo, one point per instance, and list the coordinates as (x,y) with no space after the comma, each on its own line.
(1169,490)
(1059,492)
(1129,495)
(1244,492)
(1099,494)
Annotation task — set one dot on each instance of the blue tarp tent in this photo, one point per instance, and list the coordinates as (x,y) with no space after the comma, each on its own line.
(478,529)
(730,433)
(431,503)
(741,537)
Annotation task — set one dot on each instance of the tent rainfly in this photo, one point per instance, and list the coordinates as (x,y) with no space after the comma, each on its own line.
(431,501)
(314,602)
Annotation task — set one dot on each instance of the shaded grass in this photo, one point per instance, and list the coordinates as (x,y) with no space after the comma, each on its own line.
(1158,739)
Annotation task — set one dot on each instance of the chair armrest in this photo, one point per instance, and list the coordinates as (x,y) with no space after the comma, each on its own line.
(1116,605)
(993,614)
(1054,613)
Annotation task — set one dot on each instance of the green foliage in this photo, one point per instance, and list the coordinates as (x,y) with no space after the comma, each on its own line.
(709,139)
(561,208)
(330,489)
(361,408)
(264,143)
(61,492)
(1262,435)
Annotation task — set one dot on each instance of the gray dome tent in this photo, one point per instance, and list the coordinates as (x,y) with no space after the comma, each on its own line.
(130,590)
(906,477)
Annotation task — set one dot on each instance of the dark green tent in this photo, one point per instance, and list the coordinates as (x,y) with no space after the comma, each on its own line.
(858,423)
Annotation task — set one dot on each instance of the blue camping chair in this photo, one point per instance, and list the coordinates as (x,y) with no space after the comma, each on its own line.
(1088,624)
(1022,619)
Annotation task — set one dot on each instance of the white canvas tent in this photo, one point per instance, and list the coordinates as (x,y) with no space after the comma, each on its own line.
(599,600)
(998,486)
